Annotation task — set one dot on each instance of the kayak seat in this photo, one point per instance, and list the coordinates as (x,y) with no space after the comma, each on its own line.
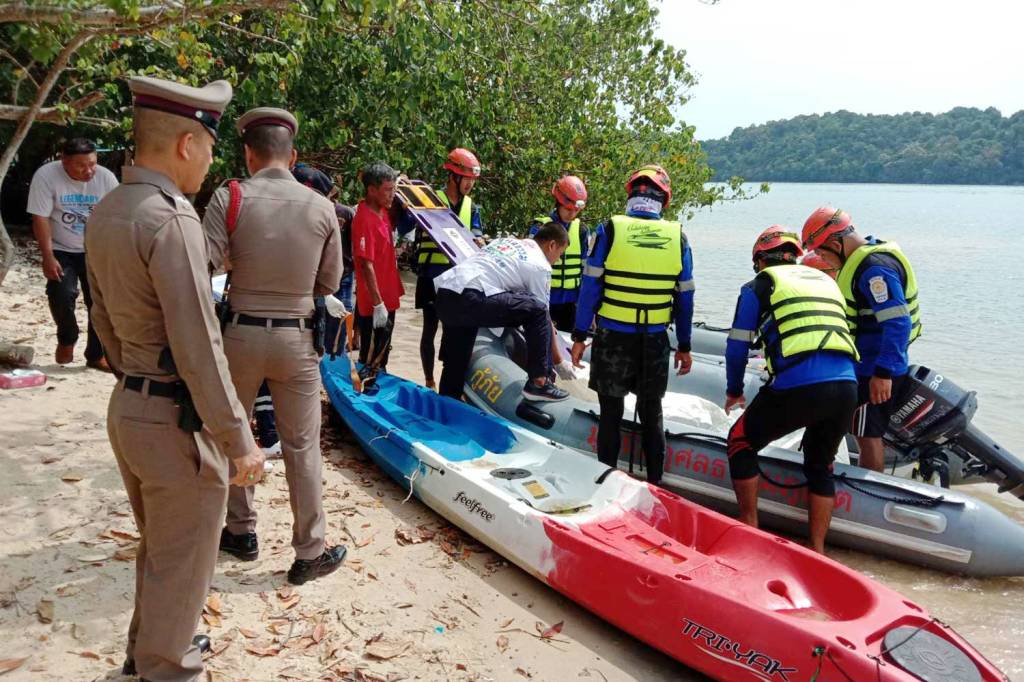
(455,430)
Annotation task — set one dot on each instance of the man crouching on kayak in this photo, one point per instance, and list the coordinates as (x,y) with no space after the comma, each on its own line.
(505,284)
(798,312)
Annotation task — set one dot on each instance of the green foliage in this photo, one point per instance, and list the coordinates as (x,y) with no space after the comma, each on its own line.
(536,89)
(962,146)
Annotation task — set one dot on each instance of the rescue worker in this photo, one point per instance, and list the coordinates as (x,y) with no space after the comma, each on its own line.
(285,249)
(638,279)
(174,420)
(463,171)
(505,284)
(570,197)
(880,289)
(798,313)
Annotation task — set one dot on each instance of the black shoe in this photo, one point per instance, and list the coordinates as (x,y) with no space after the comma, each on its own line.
(202,642)
(303,570)
(246,546)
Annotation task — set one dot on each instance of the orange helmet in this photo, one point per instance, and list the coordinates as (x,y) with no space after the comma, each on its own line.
(813,260)
(570,192)
(823,224)
(774,237)
(657,176)
(463,162)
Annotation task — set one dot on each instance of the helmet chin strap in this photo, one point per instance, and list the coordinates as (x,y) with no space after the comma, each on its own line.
(840,254)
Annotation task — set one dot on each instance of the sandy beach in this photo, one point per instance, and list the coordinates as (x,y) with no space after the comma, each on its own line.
(416,599)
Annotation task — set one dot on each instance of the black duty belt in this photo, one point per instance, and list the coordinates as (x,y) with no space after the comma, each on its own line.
(242,318)
(162,389)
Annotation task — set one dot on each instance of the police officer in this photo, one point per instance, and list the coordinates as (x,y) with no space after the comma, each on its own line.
(798,312)
(570,197)
(638,278)
(285,249)
(880,290)
(174,419)
(463,171)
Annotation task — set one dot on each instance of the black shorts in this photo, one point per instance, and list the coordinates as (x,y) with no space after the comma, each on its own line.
(623,362)
(823,410)
(871,421)
(426,294)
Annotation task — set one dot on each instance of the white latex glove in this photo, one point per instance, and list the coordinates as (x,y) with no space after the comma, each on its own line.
(335,308)
(564,370)
(380,316)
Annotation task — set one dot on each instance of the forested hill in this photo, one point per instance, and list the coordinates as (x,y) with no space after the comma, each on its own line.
(961,146)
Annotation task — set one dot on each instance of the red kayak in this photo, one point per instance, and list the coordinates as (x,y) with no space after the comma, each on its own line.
(727,599)
(740,604)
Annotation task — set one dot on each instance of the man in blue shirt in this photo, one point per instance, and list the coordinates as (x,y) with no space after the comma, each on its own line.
(798,312)
(880,289)
(638,279)
(570,197)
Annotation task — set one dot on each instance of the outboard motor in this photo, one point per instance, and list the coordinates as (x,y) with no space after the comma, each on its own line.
(932,419)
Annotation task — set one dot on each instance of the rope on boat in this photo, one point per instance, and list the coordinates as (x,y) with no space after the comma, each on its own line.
(385,436)
(411,479)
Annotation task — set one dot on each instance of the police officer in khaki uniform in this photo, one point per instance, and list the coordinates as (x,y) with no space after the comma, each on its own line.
(174,418)
(284,249)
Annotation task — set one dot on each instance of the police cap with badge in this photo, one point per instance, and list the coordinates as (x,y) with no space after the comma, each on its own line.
(204,105)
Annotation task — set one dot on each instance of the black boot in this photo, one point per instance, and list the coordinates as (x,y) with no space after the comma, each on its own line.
(303,570)
(200,641)
(245,547)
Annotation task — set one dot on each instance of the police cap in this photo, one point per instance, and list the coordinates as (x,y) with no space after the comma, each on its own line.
(205,104)
(267,116)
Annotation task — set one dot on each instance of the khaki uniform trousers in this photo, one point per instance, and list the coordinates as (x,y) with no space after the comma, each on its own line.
(284,356)
(177,486)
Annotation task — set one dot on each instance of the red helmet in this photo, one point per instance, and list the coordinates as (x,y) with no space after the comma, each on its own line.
(463,162)
(774,237)
(570,192)
(813,260)
(824,223)
(657,176)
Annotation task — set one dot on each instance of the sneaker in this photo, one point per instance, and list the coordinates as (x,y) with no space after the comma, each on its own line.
(273,452)
(245,546)
(547,393)
(304,570)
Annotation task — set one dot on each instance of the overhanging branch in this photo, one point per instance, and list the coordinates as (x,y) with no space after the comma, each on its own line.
(107,18)
(10,112)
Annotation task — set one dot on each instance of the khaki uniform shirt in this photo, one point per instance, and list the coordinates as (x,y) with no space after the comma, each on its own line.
(286,247)
(147,268)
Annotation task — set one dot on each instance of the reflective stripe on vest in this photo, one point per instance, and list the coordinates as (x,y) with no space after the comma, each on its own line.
(641,270)
(847,281)
(806,316)
(428,252)
(566,273)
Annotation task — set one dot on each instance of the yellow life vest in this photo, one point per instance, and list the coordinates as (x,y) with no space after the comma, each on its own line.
(428,252)
(806,315)
(567,272)
(641,273)
(847,281)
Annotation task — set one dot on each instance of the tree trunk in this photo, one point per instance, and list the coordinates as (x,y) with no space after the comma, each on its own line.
(61,63)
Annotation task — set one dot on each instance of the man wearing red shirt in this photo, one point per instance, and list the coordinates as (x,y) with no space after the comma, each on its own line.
(378,286)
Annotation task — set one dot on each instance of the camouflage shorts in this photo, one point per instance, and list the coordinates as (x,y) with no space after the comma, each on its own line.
(623,362)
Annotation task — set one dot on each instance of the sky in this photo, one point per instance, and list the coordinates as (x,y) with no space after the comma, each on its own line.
(764,60)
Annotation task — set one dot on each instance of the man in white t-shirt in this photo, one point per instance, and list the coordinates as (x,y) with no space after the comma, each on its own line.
(505,284)
(60,199)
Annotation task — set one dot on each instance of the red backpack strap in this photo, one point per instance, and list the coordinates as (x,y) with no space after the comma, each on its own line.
(234,205)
